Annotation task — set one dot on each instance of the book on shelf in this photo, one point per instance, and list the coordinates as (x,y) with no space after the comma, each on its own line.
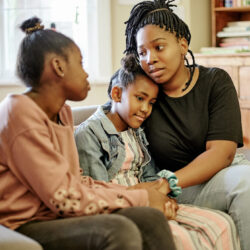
(239,24)
(233,34)
(234,3)
(235,42)
(235,39)
(223,50)
(235,29)
(238,45)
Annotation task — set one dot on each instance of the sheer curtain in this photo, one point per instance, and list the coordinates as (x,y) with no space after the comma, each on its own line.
(87,22)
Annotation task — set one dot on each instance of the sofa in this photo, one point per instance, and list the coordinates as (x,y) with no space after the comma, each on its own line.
(81,113)
(11,240)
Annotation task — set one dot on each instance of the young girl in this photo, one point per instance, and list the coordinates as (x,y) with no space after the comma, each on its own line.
(112,147)
(195,127)
(40,180)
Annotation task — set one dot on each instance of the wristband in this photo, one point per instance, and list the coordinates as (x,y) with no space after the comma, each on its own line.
(172,181)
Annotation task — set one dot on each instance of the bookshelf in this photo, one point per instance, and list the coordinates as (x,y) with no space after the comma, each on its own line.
(237,66)
(222,15)
(236,62)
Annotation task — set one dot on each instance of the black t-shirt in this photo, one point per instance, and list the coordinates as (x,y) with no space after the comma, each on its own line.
(178,128)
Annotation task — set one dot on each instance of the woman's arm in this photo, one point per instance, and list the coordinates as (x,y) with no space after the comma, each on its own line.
(218,155)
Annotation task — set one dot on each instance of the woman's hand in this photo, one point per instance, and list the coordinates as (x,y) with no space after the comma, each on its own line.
(157,198)
(164,187)
(161,185)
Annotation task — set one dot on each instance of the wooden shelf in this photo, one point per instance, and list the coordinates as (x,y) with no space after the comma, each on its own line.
(238,67)
(233,9)
(222,15)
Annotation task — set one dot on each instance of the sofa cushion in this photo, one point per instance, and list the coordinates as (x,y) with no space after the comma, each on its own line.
(82,113)
(12,240)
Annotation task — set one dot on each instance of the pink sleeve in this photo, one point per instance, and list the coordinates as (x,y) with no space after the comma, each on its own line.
(47,174)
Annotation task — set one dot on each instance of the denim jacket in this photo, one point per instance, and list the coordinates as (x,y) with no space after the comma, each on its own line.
(102,151)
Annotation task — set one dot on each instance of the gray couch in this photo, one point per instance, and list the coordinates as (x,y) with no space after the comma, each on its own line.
(11,240)
(80,114)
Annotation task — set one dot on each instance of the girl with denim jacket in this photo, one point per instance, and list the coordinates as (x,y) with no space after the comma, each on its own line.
(112,147)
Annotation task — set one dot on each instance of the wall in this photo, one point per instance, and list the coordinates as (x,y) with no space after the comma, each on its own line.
(96,96)
(120,14)
(197,16)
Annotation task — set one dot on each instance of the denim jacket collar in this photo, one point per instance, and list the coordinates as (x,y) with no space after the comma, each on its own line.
(101,115)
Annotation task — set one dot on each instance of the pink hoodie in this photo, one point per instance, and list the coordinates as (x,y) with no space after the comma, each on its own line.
(39,169)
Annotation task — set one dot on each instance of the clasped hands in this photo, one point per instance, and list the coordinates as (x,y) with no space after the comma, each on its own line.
(157,194)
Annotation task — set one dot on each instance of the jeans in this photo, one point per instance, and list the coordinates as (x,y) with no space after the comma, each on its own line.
(228,191)
(127,229)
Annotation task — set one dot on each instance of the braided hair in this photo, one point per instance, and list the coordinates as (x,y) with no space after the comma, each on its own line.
(160,13)
(126,74)
(32,51)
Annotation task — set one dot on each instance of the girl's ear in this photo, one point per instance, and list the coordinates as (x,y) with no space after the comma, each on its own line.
(184,46)
(116,93)
(58,66)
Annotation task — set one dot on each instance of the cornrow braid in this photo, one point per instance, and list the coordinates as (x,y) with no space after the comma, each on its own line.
(157,12)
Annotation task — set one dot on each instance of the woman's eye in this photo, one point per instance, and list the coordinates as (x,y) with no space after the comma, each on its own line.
(139,98)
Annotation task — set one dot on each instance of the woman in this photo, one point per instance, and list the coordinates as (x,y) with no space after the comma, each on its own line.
(112,147)
(195,126)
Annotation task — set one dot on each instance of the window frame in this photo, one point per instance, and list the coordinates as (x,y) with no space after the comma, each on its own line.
(98,35)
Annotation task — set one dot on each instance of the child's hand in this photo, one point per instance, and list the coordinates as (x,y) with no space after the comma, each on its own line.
(158,199)
(170,209)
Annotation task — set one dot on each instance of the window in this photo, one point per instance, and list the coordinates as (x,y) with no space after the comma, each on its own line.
(87,22)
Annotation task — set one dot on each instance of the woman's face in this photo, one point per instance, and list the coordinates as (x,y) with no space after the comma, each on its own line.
(161,54)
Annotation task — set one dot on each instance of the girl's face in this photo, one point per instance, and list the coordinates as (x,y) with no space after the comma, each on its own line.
(76,84)
(136,103)
(161,54)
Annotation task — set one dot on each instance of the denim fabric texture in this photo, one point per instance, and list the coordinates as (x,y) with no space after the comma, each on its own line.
(102,151)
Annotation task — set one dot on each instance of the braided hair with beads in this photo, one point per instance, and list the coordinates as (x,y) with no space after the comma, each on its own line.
(157,12)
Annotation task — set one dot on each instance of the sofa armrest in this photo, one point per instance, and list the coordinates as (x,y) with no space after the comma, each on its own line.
(82,113)
(12,240)
(245,151)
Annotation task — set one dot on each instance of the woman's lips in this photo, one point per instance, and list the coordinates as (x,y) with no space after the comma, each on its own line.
(156,72)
